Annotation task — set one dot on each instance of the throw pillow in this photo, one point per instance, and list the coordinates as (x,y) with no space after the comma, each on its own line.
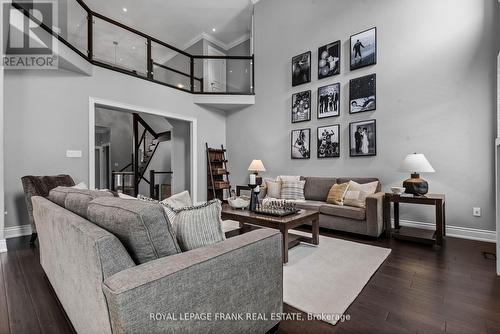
(179,200)
(290,178)
(125,196)
(141,226)
(356,193)
(337,193)
(293,190)
(146,199)
(273,189)
(81,185)
(199,226)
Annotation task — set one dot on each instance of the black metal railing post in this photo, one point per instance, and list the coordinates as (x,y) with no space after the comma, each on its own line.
(152,192)
(252,88)
(90,36)
(191,72)
(150,60)
(136,155)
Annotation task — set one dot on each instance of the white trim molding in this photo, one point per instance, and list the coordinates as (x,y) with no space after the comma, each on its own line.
(213,40)
(17,231)
(455,231)
(3,246)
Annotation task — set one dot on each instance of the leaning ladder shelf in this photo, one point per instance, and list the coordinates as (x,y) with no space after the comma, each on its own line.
(218,175)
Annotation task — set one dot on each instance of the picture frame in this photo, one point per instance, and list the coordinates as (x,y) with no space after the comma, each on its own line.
(363,94)
(328,101)
(301,107)
(363,49)
(300,144)
(301,69)
(363,138)
(328,141)
(329,56)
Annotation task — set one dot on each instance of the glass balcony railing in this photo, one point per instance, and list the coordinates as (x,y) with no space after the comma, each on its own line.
(107,43)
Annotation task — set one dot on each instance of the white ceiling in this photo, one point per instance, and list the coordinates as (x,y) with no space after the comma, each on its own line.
(182,22)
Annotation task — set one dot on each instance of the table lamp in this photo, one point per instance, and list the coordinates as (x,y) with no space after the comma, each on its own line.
(255,167)
(416,163)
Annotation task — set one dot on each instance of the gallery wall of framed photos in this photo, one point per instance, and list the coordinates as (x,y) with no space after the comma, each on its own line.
(362,98)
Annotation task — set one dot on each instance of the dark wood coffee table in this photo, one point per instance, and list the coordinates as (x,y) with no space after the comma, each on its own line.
(284,224)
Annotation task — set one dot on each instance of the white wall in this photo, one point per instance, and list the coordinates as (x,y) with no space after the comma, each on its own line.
(181,162)
(47,112)
(435,94)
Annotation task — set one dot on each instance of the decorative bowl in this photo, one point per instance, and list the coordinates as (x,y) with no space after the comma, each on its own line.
(238,202)
(398,190)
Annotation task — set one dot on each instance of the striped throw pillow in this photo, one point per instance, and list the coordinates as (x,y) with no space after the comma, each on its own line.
(293,190)
(199,226)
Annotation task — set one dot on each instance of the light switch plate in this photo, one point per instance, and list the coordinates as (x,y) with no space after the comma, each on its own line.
(73,154)
(476,212)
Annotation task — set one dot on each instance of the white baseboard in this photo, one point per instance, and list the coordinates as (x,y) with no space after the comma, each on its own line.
(456,231)
(3,246)
(17,231)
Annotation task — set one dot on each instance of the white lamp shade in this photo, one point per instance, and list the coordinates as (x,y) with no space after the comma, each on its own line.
(416,163)
(257,166)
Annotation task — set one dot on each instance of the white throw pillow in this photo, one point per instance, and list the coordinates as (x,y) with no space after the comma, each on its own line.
(81,185)
(180,200)
(273,189)
(356,193)
(288,178)
(125,196)
(293,190)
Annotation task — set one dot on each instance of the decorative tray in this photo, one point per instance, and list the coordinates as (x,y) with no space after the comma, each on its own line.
(276,209)
(276,213)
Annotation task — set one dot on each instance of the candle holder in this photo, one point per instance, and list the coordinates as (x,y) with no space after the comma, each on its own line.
(254,197)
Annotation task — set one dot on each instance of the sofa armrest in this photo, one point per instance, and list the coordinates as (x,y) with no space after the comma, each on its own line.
(239,276)
(374,214)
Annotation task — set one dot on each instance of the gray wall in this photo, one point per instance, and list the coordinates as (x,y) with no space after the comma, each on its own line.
(435,86)
(181,152)
(238,72)
(47,112)
(122,137)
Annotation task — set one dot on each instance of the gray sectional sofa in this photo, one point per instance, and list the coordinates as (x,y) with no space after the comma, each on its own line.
(367,221)
(104,291)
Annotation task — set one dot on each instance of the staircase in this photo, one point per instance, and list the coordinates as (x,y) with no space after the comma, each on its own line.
(145,147)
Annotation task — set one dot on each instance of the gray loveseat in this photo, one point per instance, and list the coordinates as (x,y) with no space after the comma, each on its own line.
(102,290)
(367,221)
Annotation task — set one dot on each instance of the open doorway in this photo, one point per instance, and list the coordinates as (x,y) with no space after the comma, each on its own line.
(140,151)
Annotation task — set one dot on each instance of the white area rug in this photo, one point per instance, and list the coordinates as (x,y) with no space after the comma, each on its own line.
(326,279)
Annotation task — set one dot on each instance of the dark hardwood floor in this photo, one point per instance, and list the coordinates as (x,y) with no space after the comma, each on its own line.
(418,289)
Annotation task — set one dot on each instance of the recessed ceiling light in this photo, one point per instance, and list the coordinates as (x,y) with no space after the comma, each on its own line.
(180,85)
(124,9)
(213,29)
(133,47)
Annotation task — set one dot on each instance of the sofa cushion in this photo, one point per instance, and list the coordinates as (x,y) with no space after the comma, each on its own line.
(77,200)
(309,205)
(58,195)
(292,190)
(199,226)
(289,178)
(317,188)
(343,211)
(360,180)
(142,227)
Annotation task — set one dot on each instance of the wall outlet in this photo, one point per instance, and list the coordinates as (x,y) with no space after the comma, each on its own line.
(476,212)
(73,154)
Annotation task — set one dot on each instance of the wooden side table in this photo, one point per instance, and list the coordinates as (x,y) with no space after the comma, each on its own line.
(415,234)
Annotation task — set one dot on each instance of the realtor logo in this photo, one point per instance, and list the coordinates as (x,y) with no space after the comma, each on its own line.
(26,44)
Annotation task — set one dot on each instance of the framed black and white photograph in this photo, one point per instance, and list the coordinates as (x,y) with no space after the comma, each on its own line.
(328,141)
(301,106)
(363,94)
(329,101)
(301,69)
(364,49)
(329,60)
(301,144)
(363,138)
